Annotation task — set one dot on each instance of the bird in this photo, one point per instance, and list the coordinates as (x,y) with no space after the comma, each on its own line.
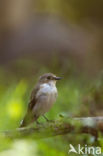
(43,96)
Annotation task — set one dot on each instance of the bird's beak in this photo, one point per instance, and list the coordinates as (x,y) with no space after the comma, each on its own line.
(57,78)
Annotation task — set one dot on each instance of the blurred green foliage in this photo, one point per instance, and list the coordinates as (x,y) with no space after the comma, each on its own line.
(79,95)
(76,94)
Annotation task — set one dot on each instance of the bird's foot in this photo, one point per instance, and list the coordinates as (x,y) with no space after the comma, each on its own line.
(51,121)
(38,124)
(47,119)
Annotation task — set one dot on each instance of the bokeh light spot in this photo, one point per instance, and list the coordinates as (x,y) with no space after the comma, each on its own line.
(14,108)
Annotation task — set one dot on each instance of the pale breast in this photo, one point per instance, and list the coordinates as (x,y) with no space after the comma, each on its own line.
(46,96)
(49,90)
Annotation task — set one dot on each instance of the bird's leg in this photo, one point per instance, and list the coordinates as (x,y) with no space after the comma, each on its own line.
(46,118)
(38,124)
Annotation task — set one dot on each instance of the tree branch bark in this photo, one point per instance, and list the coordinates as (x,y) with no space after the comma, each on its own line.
(66,125)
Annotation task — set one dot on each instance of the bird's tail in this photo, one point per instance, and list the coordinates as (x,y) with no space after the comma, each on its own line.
(28,119)
(23,124)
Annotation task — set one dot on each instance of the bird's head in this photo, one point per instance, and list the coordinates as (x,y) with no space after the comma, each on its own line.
(49,78)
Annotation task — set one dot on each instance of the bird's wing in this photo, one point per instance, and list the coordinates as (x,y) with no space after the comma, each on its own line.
(33,98)
(28,118)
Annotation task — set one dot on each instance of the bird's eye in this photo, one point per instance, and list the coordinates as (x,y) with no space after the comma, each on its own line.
(49,77)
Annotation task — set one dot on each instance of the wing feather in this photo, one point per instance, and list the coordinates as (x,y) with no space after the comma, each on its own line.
(33,99)
(30,117)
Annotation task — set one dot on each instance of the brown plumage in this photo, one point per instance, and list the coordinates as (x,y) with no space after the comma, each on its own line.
(41,99)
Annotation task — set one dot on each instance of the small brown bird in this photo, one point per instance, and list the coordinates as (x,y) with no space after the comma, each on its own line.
(42,98)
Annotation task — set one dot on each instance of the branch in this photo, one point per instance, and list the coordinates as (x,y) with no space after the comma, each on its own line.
(90,125)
